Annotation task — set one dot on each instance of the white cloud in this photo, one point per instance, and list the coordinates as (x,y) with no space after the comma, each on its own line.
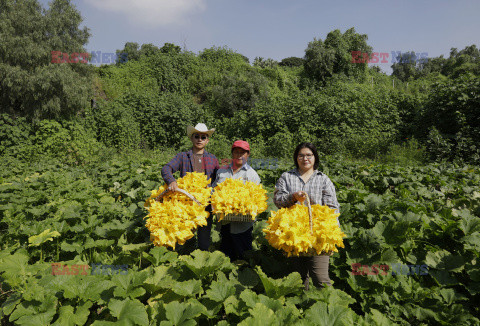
(152,12)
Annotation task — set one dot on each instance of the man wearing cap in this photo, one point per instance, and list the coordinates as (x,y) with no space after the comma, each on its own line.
(236,237)
(195,160)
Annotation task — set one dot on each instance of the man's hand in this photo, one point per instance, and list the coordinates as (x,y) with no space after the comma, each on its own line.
(299,196)
(173,186)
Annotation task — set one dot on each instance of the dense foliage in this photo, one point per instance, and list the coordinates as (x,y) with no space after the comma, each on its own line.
(74,178)
(147,102)
(74,215)
(32,85)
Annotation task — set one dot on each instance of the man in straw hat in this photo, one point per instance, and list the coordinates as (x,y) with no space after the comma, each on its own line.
(195,160)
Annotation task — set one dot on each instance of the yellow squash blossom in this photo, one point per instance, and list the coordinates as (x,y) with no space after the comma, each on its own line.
(174,219)
(288,229)
(233,196)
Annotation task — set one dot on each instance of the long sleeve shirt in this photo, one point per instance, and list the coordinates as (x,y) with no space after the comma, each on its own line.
(183,162)
(246,173)
(319,188)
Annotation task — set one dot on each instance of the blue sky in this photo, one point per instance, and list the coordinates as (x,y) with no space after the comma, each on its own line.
(281,28)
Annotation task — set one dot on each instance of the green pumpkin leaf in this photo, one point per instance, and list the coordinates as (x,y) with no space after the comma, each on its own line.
(158,255)
(188,288)
(128,312)
(376,318)
(203,263)
(322,314)
(43,237)
(68,316)
(444,261)
(220,291)
(291,284)
(260,315)
(137,247)
(183,313)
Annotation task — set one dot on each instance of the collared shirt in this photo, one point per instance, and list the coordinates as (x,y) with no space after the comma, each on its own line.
(246,173)
(319,188)
(183,162)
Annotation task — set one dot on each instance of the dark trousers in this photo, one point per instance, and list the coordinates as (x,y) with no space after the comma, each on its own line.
(202,240)
(234,245)
(316,268)
(203,235)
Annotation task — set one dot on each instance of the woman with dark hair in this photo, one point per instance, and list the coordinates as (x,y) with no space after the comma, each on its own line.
(291,188)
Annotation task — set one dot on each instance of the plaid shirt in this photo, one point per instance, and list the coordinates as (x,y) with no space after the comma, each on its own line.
(183,162)
(319,188)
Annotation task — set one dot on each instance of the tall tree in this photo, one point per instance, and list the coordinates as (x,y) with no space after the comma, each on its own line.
(466,61)
(131,50)
(170,48)
(323,59)
(405,66)
(31,38)
(291,62)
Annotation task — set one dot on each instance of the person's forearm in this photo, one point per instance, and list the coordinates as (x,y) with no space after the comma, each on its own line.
(167,174)
(283,199)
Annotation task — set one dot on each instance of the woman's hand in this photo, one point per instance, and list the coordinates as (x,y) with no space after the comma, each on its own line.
(300,196)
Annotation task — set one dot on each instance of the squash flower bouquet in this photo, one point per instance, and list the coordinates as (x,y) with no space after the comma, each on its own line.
(234,197)
(289,229)
(174,219)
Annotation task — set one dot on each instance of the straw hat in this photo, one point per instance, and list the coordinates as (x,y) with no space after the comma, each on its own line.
(200,128)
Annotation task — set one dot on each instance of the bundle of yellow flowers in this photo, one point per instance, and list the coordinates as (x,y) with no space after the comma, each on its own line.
(174,219)
(289,230)
(234,197)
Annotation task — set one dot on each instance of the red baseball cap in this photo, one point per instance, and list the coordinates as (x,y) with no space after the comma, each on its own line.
(241,144)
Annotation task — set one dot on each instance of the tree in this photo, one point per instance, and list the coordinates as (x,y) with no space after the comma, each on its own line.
(323,59)
(405,66)
(148,50)
(458,63)
(31,84)
(264,63)
(132,51)
(452,111)
(292,62)
(170,48)
(237,93)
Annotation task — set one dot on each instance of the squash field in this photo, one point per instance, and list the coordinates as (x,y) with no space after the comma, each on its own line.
(51,213)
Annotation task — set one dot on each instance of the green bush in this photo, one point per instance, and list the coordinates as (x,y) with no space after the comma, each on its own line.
(409,152)
(15,136)
(450,122)
(116,125)
(70,141)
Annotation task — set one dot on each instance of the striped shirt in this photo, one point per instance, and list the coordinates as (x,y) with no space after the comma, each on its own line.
(319,188)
